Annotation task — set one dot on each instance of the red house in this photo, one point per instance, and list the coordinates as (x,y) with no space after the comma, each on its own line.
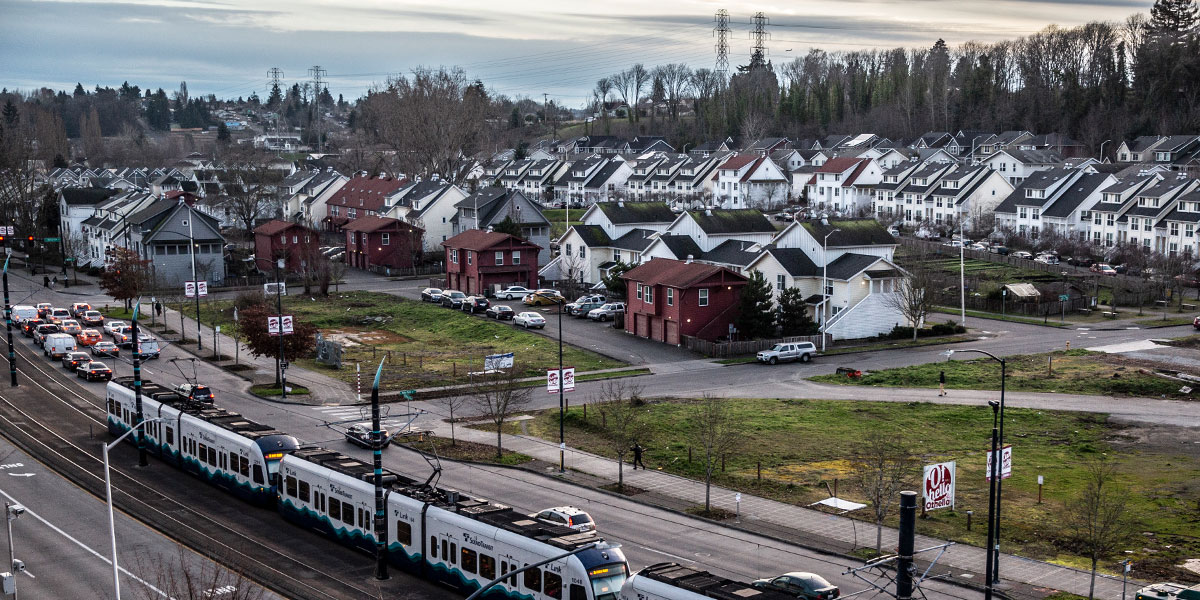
(283,239)
(362,197)
(667,299)
(480,260)
(378,243)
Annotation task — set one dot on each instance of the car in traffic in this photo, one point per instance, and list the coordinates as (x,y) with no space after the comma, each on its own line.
(79,308)
(1047,258)
(22,312)
(513,292)
(73,359)
(543,298)
(785,352)
(500,312)
(58,315)
(195,392)
(475,304)
(568,516)
(71,326)
(148,347)
(584,304)
(43,309)
(105,349)
(88,337)
(530,320)
(360,435)
(43,330)
(123,337)
(431,294)
(57,345)
(94,371)
(29,325)
(453,298)
(800,584)
(112,325)
(607,312)
(1103,269)
(92,318)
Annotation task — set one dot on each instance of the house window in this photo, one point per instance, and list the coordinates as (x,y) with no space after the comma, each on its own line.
(1024,212)
(639,291)
(454,256)
(1037,213)
(353,238)
(616,256)
(703,297)
(387,239)
(568,250)
(468,257)
(670,297)
(779,282)
(499,258)
(1188,230)
(283,239)
(649,295)
(295,239)
(581,252)
(1174,228)
(516,257)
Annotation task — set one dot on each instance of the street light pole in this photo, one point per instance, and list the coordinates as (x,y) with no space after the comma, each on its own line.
(962,271)
(195,282)
(279,263)
(562,404)
(993,476)
(12,355)
(11,512)
(112,527)
(825,296)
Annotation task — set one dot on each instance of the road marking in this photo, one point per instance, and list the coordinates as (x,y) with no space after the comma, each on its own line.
(20,474)
(1083,329)
(668,554)
(1125,347)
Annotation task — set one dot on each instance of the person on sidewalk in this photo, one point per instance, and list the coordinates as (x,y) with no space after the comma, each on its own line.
(54,282)
(942,383)
(637,456)
(45,281)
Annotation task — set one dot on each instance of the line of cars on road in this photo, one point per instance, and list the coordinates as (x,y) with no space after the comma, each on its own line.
(592,306)
(63,333)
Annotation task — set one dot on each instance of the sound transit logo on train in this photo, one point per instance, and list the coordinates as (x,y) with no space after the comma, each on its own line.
(474,541)
(334,489)
(939,486)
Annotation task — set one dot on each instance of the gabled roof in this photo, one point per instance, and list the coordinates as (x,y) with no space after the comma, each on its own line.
(74,196)
(593,236)
(744,220)
(676,274)
(731,252)
(371,191)
(853,232)
(795,262)
(1143,143)
(1073,197)
(839,165)
(275,226)
(1175,143)
(636,240)
(474,239)
(372,223)
(1185,216)
(850,264)
(739,161)
(682,246)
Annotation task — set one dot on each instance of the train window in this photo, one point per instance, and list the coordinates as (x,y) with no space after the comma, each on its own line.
(553,587)
(335,509)
(304,491)
(245,466)
(404,533)
(453,552)
(291,486)
(258,478)
(433,547)
(348,513)
(445,552)
(320,501)
(233,462)
(577,592)
(212,456)
(203,454)
(468,560)
(487,567)
(533,580)
(170,436)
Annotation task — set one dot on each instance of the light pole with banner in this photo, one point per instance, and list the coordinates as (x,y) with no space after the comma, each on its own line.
(192,244)
(112,527)
(279,308)
(826,297)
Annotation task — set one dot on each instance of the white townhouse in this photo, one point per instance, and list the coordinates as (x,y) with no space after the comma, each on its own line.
(1150,206)
(1016,165)
(432,206)
(1021,211)
(693,182)
(967,193)
(1140,149)
(750,180)
(1067,212)
(1104,229)
(713,227)
(888,206)
(1179,231)
(610,233)
(844,185)
(914,205)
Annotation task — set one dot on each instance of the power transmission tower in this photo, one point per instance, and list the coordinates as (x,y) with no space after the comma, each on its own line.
(722,32)
(318,76)
(758,53)
(276,75)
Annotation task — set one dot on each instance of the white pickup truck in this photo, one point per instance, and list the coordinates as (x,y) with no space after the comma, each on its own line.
(801,351)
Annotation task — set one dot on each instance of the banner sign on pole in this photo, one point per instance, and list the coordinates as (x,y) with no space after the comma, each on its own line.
(287,325)
(191,287)
(273,325)
(498,361)
(939,486)
(1005,462)
(568,380)
(202,287)
(568,377)
(552,381)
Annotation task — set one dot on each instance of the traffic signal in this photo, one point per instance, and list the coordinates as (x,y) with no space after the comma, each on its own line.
(30,238)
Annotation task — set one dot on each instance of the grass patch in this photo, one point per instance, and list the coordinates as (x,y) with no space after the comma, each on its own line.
(1001,317)
(558,220)
(426,345)
(1187,341)
(803,445)
(269,389)
(613,374)
(889,345)
(1161,322)
(1074,371)
(463,450)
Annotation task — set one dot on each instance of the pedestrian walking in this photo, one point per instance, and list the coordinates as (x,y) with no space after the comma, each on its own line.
(54,282)
(45,281)
(942,383)
(637,456)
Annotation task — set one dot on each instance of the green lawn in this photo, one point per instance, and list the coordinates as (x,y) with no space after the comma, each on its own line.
(978,314)
(427,345)
(558,220)
(804,445)
(1074,371)
(270,390)
(1170,321)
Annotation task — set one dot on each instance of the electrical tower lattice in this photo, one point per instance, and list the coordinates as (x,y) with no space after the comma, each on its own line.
(318,76)
(758,53)
(722,32)
(276,81)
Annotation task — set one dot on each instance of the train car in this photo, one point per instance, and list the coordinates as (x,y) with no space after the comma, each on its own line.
(670,581)
(221,447)
(442,535)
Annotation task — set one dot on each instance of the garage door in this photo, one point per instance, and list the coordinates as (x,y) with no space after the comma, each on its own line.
(673,332)
(656,329)
(641,326)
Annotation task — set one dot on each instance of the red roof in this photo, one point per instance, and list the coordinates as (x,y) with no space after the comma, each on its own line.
(371,223)
(862,165)
(674,273)
(739,161)
(274,227)
(839,165)
(478,240)
(367,193)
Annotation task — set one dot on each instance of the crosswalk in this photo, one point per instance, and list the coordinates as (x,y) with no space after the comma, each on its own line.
(361,415)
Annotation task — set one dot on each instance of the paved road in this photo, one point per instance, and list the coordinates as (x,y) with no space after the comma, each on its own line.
(64,540)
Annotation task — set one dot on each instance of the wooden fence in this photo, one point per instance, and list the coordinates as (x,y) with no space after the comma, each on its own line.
(728,349)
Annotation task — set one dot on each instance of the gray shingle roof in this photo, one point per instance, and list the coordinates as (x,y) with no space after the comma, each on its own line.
(681,246)
(731,252)
(1079,191)
(636,240)
(74,196)
(795,262)
(745,220)
(850,264)
(627,213)
(853,232)
(592,235)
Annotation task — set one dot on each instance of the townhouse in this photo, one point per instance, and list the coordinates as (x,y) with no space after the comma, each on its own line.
(1016,165)
(490,206)
(1140,149)
(76,205)
(750,180)
(844,185)
(965,194)
(361,196)
(610,233)
(1178,233)
(1021,211)
(308,204)
(668,299)
(1104,229)
(912,201)
(1149,208)
(430,205)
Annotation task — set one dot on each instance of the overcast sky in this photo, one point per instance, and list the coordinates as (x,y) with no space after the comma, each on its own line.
(517,47)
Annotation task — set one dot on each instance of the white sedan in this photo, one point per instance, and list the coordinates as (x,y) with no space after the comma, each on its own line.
(512,292)
(530,319)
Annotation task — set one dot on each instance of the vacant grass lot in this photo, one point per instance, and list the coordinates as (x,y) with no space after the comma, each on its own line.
(558,220)
(428,345)
(803,445)
(1074,372)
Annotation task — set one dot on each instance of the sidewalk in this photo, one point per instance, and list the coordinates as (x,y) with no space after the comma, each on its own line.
(802,525)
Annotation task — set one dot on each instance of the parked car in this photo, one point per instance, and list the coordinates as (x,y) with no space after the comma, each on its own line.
(607,312)
(71,326)
(93,371)
(998,249)
(568,516)
(360,435)
(105,349)
(981,246)
(1188,280)
(431,294)
(584,305)
(475,304)
(43,309)
(799,584)
(88,337)
(92,318)
(894,231)
(79,308)
(530,319)
(1022,254)
(953,244)
(1103,269)
(513,292)
(1047,259)
(113,325)
(801,351)
(500,312)
(453,298)
(544,298)
(72,360)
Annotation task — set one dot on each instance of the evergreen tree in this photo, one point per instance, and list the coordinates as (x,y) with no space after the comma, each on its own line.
(79,91)
(1174,18)
(514,119)
(509,226)
(276,97)
(613,283)
(792,314)
(11,115)
(755,318)
(223,132)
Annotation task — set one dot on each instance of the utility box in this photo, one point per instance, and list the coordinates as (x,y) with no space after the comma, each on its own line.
(8,584)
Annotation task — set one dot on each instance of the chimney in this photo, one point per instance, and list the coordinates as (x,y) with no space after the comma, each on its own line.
(689,260)
(621,203)
(489,229)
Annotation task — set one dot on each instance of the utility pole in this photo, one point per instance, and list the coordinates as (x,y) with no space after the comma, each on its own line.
(381,569)
(279,264)
(721,30)
(758,52)
(904,550)
(195,282)
(12,355)
(318,75)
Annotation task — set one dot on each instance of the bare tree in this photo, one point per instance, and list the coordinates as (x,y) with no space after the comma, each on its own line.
(1098,521)
(675,78)
(716,432)
(452,402)
(882,467)
(187,576)
(620,406)
(754,127)
(250,184)
(500,395)
(623,83)
(640,77)
(914,296)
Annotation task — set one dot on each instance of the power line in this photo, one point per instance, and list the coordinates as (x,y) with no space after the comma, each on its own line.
(722,32)
(318,74)
(758,52)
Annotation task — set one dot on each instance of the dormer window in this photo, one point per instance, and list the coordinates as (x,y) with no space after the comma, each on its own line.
(920,181)
(1162,156)
(1032,193)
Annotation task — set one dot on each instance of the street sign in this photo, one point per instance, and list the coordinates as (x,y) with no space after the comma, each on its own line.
(568,380)
(552,381)
(498,361)
(283,365)
(272,289)
(939,486)
(6,229)
(1063,297)
(1005,463)
(52,240)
